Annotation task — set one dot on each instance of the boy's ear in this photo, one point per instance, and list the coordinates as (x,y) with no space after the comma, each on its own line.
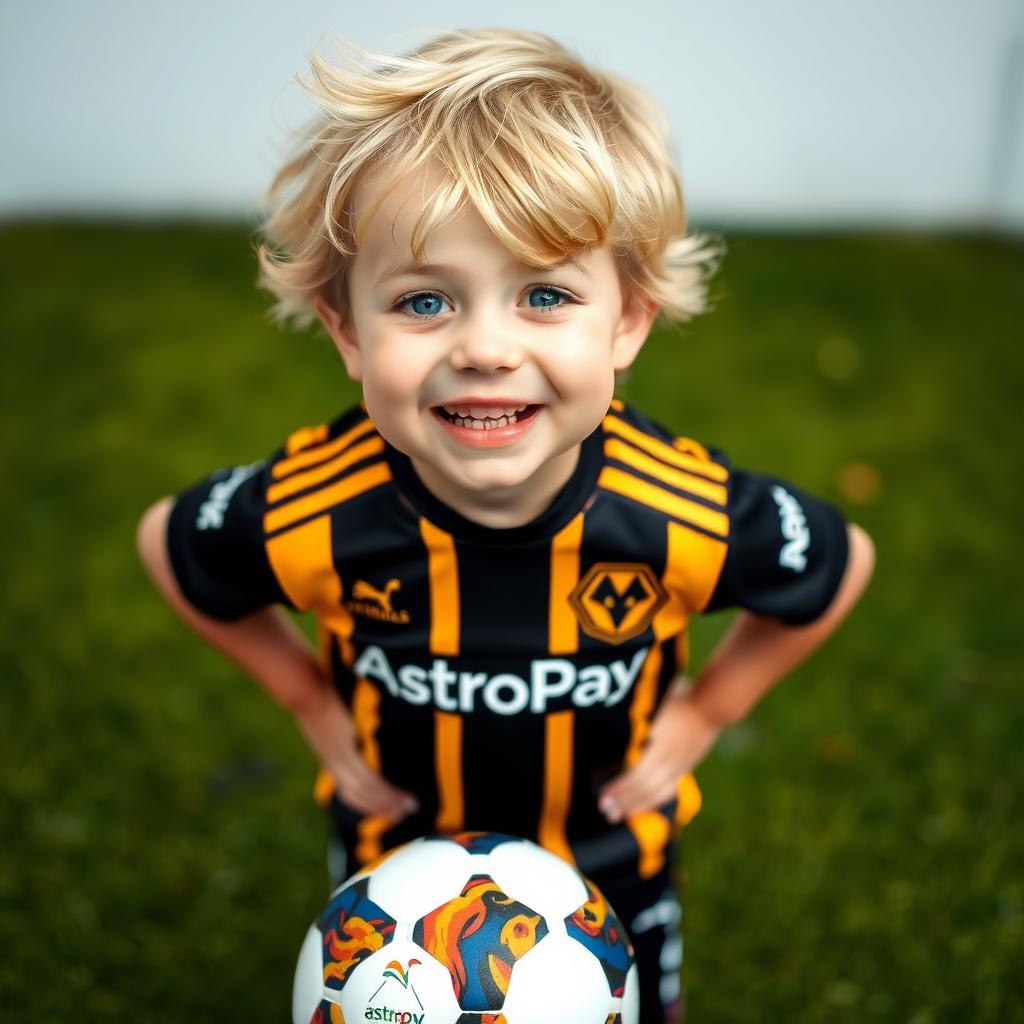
(634,326)
(343,337)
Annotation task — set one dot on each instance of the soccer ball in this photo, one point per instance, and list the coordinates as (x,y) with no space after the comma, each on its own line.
(475,928)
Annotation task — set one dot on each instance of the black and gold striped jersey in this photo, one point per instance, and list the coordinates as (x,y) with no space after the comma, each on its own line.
(504,675)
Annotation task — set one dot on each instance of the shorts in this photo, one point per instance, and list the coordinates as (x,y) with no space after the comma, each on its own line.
(650,910)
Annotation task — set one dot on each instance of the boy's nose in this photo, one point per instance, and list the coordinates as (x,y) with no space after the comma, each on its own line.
(486,348)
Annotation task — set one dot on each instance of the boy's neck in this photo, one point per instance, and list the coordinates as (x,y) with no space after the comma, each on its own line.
(498,508)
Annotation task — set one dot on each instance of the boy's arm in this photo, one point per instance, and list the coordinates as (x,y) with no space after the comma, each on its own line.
(270,647)
(755,653)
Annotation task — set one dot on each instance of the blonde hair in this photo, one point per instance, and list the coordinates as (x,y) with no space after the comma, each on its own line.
(553,155)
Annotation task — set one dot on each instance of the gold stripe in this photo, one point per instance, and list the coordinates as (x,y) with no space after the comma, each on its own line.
(653,833)
(694,565)
(687,444)
(304,437)
(558,740)
(689,800)
(346,488)
(369,836)
(641,708)
(366,712)
(300,481)
(678,478)
(652,830)
(665,452)
(448,766)
(309,456)
(304,566)
(563,629)
(618,405)
(443,569)
(323,787)
(664,501)
(303,561)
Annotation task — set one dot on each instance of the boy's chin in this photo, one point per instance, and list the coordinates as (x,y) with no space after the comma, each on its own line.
(490,473)
(494,474)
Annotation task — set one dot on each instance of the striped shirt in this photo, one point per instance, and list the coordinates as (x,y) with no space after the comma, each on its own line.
(505,675)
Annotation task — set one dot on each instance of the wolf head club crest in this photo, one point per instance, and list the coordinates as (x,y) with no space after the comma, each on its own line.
(617,600)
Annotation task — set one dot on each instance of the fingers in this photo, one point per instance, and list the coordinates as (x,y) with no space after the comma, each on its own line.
(368,792)
(680,737)
(643,788)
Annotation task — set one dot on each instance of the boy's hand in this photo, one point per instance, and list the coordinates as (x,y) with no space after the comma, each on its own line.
(329,728)
(681,734)
(753,655)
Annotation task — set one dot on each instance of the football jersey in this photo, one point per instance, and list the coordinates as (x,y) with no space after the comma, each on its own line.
(503,676)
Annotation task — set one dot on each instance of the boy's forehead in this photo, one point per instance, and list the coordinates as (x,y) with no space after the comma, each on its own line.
(385,245)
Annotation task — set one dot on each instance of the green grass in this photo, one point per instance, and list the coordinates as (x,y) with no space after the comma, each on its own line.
(859,854)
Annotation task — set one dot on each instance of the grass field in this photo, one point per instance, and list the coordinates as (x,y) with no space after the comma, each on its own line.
(860,852)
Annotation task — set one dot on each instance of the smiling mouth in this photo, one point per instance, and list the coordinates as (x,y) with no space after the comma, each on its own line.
(484,418)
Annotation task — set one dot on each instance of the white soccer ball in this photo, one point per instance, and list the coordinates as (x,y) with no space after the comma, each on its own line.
(475,928)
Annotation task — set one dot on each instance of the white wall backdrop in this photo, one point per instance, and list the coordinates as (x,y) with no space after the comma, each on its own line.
(903,112)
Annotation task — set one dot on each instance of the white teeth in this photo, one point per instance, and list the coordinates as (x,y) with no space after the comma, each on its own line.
(479,417)
(487,423)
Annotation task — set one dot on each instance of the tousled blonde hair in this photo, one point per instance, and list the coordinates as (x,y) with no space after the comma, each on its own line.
(553,155)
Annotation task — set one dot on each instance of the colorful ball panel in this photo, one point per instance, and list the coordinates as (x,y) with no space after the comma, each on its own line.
(595,925)
(479,936)
(353,928)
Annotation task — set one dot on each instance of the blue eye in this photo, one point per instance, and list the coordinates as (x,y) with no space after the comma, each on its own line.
(423,305)
(547,298)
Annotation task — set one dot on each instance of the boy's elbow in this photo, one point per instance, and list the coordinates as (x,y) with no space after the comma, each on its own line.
(860,565)
(152,528)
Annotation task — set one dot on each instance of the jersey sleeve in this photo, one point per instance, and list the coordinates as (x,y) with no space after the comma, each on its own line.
(786,551)
(216,543)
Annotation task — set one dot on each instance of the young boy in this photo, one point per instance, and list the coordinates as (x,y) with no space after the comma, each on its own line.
(501,556)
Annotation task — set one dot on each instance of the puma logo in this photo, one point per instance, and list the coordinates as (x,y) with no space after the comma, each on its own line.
(373,603)
(363,591)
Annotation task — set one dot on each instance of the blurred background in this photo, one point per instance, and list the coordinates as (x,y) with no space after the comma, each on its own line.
(859,852)
(906,113)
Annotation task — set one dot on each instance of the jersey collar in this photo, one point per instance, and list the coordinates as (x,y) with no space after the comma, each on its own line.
(567,503)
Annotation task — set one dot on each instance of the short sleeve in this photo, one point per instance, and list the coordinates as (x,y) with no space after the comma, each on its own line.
(786,550)
(216,543)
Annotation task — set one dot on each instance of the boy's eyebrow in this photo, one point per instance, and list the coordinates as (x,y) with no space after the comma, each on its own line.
(412,267)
